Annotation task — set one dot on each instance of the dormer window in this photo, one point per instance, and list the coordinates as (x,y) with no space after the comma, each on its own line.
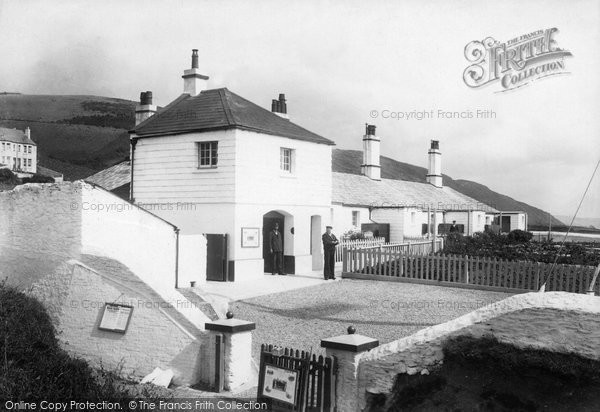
(286,159)
(207,154)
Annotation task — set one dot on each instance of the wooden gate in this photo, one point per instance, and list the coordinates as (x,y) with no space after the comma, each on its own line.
(293,380)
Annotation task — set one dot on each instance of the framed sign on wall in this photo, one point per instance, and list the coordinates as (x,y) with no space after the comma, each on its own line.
(115,317)
(250,237)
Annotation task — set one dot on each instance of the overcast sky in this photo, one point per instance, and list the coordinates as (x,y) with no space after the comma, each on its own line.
(337,62)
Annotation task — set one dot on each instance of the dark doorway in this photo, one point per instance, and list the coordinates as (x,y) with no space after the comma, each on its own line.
(505,224)
(269,221)
(216,257)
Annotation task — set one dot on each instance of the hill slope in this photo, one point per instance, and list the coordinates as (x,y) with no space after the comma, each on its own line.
(81,135)
(349,161)
(76,135)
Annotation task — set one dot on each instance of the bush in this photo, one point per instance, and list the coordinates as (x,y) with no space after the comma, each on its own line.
(518,245)
(8,177)
(519,236)
(38,178)
(353,235)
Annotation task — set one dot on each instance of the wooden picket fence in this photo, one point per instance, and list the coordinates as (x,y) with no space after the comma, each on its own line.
(465,271)
(421,247)
(316,379)
(356,243)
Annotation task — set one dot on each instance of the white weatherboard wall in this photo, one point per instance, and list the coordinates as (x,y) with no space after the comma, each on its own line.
(165,170)
(555,321)
(473,220)
(342,218)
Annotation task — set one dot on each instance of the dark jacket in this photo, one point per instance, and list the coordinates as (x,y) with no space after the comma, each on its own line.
(276,241)
(329,241)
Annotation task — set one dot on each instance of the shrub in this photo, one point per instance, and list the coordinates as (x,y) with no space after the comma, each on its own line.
(519,236)
(353,235)
(8,177)
(514,247)
(38,178)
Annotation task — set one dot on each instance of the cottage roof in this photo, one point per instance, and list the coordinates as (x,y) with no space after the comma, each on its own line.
(221,109)
(113,177)
(358,190)
(48,172)
(15,136)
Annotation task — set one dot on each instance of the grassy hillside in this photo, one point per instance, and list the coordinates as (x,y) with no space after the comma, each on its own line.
(80,135)
(349,161)
(76,135)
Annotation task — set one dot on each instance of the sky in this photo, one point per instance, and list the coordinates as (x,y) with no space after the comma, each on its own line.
(342,64)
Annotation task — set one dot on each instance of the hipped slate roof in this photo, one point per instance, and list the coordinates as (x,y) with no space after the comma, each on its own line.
(221,109)
(15,136)
(113,177)
(359,190)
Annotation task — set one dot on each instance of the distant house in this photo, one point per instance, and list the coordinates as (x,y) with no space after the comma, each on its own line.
(18,152)
(214,163)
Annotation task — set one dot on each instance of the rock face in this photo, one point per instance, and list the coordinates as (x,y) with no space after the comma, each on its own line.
(555,321)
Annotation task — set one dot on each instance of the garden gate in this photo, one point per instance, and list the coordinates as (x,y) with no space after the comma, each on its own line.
(298,381)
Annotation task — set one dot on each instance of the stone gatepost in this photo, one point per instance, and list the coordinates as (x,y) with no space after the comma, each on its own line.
(347,350)
(233,339)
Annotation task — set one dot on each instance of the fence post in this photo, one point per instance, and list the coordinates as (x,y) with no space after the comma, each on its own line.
(347,349)
(344,260)
(236,346)
(590,290)
(466,277)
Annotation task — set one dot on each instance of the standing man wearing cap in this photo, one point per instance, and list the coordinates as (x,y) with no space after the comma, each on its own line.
(329,243)
(276,246)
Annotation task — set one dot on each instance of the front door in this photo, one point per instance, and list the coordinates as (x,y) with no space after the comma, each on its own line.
(505,224)
(216,257)
(269,221)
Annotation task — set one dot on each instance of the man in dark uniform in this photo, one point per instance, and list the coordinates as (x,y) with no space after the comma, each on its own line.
(453,227)
(329,243)
(276,245)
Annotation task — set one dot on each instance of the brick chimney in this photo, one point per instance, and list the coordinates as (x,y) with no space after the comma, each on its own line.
(145,109)
(28,133)
(193,81)
(279,107)
(434,171)
(371,151)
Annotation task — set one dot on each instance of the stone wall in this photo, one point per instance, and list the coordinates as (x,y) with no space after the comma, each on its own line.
(156,336)
(555,321)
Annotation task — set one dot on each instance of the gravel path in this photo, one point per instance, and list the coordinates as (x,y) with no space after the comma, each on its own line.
(383,310)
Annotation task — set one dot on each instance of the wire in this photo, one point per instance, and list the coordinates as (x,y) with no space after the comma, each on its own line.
(543,287)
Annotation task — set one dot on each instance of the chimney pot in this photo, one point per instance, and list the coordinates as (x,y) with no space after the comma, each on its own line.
(194,58)
(145,98)
(370,129)
(435,144)
(275,106)
(282,104)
